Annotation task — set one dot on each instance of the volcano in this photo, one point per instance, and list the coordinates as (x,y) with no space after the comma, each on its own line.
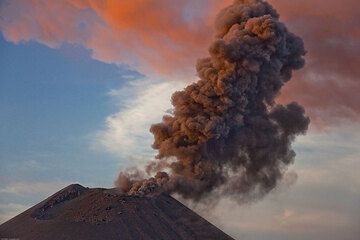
(77,212)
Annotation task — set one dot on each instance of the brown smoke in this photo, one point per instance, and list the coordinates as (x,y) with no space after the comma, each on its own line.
(226,135)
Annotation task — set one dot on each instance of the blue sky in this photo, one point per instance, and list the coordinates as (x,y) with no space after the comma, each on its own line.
(51,102)
(74,109)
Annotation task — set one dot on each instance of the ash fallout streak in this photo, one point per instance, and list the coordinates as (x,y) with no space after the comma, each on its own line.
(226,135)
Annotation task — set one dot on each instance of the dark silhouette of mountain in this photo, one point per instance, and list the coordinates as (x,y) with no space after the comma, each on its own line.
(76,212)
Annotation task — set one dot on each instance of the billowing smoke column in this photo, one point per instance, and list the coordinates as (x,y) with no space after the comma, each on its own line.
(226,135)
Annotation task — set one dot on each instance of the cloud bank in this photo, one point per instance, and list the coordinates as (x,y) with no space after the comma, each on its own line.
(134,33)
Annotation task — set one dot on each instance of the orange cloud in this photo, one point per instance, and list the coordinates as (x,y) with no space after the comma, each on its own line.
(153,35)
(329,85)
(167,36)
(157,31)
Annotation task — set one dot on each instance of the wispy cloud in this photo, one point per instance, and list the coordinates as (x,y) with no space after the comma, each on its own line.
(141,103)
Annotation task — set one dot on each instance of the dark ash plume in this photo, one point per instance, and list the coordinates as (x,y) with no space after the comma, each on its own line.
(227,136)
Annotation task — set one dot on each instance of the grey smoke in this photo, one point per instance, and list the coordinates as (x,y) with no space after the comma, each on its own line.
(226,135)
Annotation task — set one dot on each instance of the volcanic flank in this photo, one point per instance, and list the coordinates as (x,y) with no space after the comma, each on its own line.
(77,212)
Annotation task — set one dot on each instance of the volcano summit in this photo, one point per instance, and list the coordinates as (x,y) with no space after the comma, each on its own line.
(76,212)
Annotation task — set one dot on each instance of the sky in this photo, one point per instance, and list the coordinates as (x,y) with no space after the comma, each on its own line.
(81,81)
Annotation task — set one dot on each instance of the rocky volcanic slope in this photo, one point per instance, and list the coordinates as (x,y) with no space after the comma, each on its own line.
(77,212)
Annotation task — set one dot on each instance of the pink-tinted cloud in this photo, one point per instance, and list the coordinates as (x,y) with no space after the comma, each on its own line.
(161,35)
(329,85)
(167,36)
